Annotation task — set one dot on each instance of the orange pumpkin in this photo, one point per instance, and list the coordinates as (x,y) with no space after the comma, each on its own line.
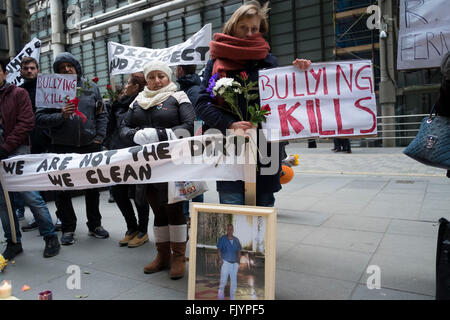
(286,174)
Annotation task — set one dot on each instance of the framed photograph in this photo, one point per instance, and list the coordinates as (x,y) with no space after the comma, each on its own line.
(232,252)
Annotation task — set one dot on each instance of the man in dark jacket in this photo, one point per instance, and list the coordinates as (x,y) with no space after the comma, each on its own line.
(70,134)
(17,121)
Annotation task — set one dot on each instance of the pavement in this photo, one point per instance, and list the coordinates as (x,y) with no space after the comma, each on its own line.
(341,217)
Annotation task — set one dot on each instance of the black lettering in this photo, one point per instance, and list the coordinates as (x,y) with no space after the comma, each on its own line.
(129,171)
(409,13)
(162,151)
(101,177)
(145,173)
(131,52)
(64,163)
(119,50)
(86,160)
(54,164)
(115,174)
(202,51)
(90,178)
(67,180)
(109,154)
(55,180)
(185,55)
(134,151)
(97,159)
(19,167)
(29,51)
(152,153)
(175,56)
(9,167)
(43,165)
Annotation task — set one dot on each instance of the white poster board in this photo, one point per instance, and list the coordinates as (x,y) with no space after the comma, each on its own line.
(55,90)
(424,36)
(31,49)
(327,100)
(124,59)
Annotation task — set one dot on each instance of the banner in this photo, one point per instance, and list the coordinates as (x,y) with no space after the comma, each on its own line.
(31,49)
(424,36)
(327,100)
(127,59)
(186,159)
(54,90)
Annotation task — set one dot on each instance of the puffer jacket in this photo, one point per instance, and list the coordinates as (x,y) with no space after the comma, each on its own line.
(73,131)
(173,114)
(219,119)
(17,117)
(117,113)
(190,84)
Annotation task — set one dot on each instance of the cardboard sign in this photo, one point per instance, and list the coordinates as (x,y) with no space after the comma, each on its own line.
(327,100)
(54,90)
(31,49)
(424,36)
(127,59)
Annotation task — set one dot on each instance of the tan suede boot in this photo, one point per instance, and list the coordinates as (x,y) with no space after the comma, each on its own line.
(178,266)
(162,260)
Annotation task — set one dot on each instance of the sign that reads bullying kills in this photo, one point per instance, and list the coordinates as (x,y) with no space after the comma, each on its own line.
(54,90)
(327,100)
(31,49)
(424,36)
(176,160)
(127,59)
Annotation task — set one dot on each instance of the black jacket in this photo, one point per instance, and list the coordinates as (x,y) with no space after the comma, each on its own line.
(169,115)
(190,84)
(220,119)
(117,113)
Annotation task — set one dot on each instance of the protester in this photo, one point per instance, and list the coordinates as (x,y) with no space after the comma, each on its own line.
(136,234)
(189,82)
(17,121)
(229,252)
(70,134)
(156,114)
(341,145)
(39,137)
(239,48)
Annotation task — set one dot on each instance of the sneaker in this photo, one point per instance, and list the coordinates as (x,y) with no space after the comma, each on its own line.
(12,249)
(20,213)
(52,247)
(128,236)
(67,238)
(111,199)
(138,240)
(99,233)
(58,225)
(30,227)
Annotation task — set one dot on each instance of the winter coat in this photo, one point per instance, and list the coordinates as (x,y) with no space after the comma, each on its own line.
(73,131)
(17,117)
(222,120)
(443,103)
(117,113)
(190,84)
(169,115)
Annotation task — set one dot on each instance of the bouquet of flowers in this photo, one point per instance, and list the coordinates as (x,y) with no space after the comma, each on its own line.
(76,100)
(229,89)
(111,94)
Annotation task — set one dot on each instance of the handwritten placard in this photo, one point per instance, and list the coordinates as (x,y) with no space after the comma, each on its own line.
(54,90)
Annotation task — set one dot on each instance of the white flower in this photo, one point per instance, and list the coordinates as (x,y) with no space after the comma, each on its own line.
(224,82)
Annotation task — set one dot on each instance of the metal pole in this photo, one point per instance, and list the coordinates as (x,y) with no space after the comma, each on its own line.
(387,71)
(58,35)
(10,19)
(136,32)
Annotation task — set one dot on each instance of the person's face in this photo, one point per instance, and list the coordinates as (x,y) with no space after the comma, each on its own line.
(130,88)
(157,80)
(179,72)
(67,68)
(246,27)
(3,75)
(230,231)
(29,71)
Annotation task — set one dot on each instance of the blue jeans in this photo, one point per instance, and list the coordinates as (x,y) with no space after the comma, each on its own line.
(37,206)
(262,200)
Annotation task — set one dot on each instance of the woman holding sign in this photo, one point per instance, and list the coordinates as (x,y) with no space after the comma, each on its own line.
(239,53)
(154,116)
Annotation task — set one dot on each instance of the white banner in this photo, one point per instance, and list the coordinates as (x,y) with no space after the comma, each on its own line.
(189,159)
(327,100)
(127,59)
(54,90)
(31,49)
(424,36)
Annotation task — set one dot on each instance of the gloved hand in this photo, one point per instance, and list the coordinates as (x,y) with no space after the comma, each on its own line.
(3,153)
(146,136)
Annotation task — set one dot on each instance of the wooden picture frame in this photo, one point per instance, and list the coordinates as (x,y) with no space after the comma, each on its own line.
(256,226)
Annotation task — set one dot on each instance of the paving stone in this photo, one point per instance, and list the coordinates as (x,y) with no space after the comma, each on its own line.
(352,222)
(363,293)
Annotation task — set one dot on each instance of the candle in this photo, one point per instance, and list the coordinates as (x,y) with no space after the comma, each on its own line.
(5,289)
(45,295)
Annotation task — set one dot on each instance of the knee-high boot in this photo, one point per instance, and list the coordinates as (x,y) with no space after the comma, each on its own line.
(162,260)
(178,235)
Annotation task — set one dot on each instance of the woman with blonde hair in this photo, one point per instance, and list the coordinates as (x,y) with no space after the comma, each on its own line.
(155,115)
(241,48)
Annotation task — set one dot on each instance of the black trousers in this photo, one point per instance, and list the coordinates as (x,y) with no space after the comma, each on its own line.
(120,194)
(63,199)
(165,213)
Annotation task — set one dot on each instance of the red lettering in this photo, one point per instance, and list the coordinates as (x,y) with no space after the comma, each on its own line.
(337,112)
(285,117)
(264,85)
(365,78)
(325,81)
(338,72)
(46,98)
(295,87)
(319,117)
(311,116)
(374,117)
(286,86)
(316,77)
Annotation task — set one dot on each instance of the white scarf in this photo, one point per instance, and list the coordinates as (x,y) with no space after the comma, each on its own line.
(148,98)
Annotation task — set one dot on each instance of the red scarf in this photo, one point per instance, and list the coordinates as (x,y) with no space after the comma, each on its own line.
(233,53)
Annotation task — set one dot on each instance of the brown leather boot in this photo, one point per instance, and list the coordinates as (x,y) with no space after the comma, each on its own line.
(178,266)
(162,260)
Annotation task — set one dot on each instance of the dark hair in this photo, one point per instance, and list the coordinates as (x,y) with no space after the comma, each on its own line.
(138,78)
(189,68)
(3,64)
(28,60)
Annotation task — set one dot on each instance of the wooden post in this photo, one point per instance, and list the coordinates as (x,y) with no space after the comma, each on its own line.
(10,211)
(251,157)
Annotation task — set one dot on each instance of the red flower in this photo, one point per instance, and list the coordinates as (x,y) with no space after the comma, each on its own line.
(95,79)
(266,108)
(108,87)
(244,75)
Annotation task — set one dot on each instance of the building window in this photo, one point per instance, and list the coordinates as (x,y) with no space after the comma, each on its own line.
(3,37)
(3,5)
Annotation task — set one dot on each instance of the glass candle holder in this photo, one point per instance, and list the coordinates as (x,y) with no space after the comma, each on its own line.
(45,295)
(5,289)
